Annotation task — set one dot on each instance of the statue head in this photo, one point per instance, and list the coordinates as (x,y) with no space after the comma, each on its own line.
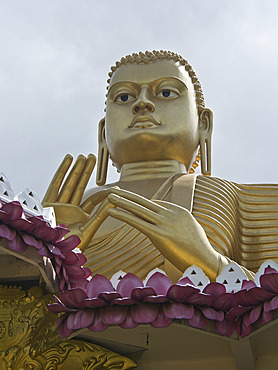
(155,110)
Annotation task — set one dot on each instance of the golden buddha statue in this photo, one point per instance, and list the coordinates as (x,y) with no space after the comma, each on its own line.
(160,214)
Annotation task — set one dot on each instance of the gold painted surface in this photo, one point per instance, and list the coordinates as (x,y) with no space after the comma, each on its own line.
(156,130)
(29,340)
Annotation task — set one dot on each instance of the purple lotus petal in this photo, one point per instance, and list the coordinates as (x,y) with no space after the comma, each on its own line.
(97,324)
(252,316)
(62,231)
(113,315)
(7,233)
(43,250)
(185,281)
(253,296)
(128,283)
(212,314)
(161,320)
(54,250)
(3,217)
(180,293)
(80,319)
(156,299)
(93,303)
(236,312)
(75,271)
(139,294)
(224,302)
(160,283)
(265,317)
(238,324)
(72,258)
(198,320)
(269,282)
(178,310)
(248,284)
(144,313)
(80,283)
(215,290)
(17,244)
(22,225)
(128,323)
(201,299)
(109,296)
(61,325)
(13,209)
(30,240)
(271,305)
(62,283)
(98,284)
(245,330)
(225,327)
(58,307)
(73,298)
(45,233)
(69,243)
(123,302)
(270,270)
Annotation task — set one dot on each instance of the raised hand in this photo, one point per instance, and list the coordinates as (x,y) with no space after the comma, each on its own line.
(171,228)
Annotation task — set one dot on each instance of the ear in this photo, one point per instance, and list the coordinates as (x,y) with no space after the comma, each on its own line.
(103,155)
(205,129)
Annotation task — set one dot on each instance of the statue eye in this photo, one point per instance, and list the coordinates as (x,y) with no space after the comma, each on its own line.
(124,98)
(164,94)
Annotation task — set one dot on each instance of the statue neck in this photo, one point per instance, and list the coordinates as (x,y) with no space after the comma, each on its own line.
(151,170)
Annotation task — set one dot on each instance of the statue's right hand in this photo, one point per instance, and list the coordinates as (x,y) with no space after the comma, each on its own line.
(66,199)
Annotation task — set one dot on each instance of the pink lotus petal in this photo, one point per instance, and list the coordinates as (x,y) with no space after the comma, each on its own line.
(13,210)
(80,319)
(269,282)
(73,298)
(144,313)
(252,316)
(160,283)
(128,323)
(212,314)
(248,284)
(128,283)
(97,324)
(215,290)
(271,305)
(178,311)
(61,325)
(265,317)
(225,327)
(198,320)
(161,320)
(270,270)
(93,303)
(224,302)
(7,233)
(17,244)
(22,225)
(185,281)
(123,302)
(69,243)
(200,299)
(98,284)
(180,293)
(139,294)
(114,315)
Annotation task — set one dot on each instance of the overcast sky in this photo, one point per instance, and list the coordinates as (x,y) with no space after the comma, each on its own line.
(55,56)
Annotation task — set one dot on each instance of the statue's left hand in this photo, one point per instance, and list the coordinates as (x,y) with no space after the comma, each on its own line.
(171,228)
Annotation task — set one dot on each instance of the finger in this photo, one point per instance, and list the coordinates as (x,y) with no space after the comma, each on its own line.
(56,182)
(90,227)
(89,204)
(147,203)
(134,208)
(72,179)
(83,180)
(139,224)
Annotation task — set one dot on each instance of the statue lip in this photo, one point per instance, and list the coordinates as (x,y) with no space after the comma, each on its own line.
(144,121)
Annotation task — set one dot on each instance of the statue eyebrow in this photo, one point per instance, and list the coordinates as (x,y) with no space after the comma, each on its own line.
(136,85)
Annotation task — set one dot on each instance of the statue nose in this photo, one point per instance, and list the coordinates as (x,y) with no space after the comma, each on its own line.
(143,104)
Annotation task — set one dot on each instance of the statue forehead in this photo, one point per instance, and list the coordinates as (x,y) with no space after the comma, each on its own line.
(144,73)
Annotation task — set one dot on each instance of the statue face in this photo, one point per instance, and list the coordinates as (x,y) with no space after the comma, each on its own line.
(151,114)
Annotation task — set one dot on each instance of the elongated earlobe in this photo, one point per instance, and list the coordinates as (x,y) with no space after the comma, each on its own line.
(205,127)
(103,155)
